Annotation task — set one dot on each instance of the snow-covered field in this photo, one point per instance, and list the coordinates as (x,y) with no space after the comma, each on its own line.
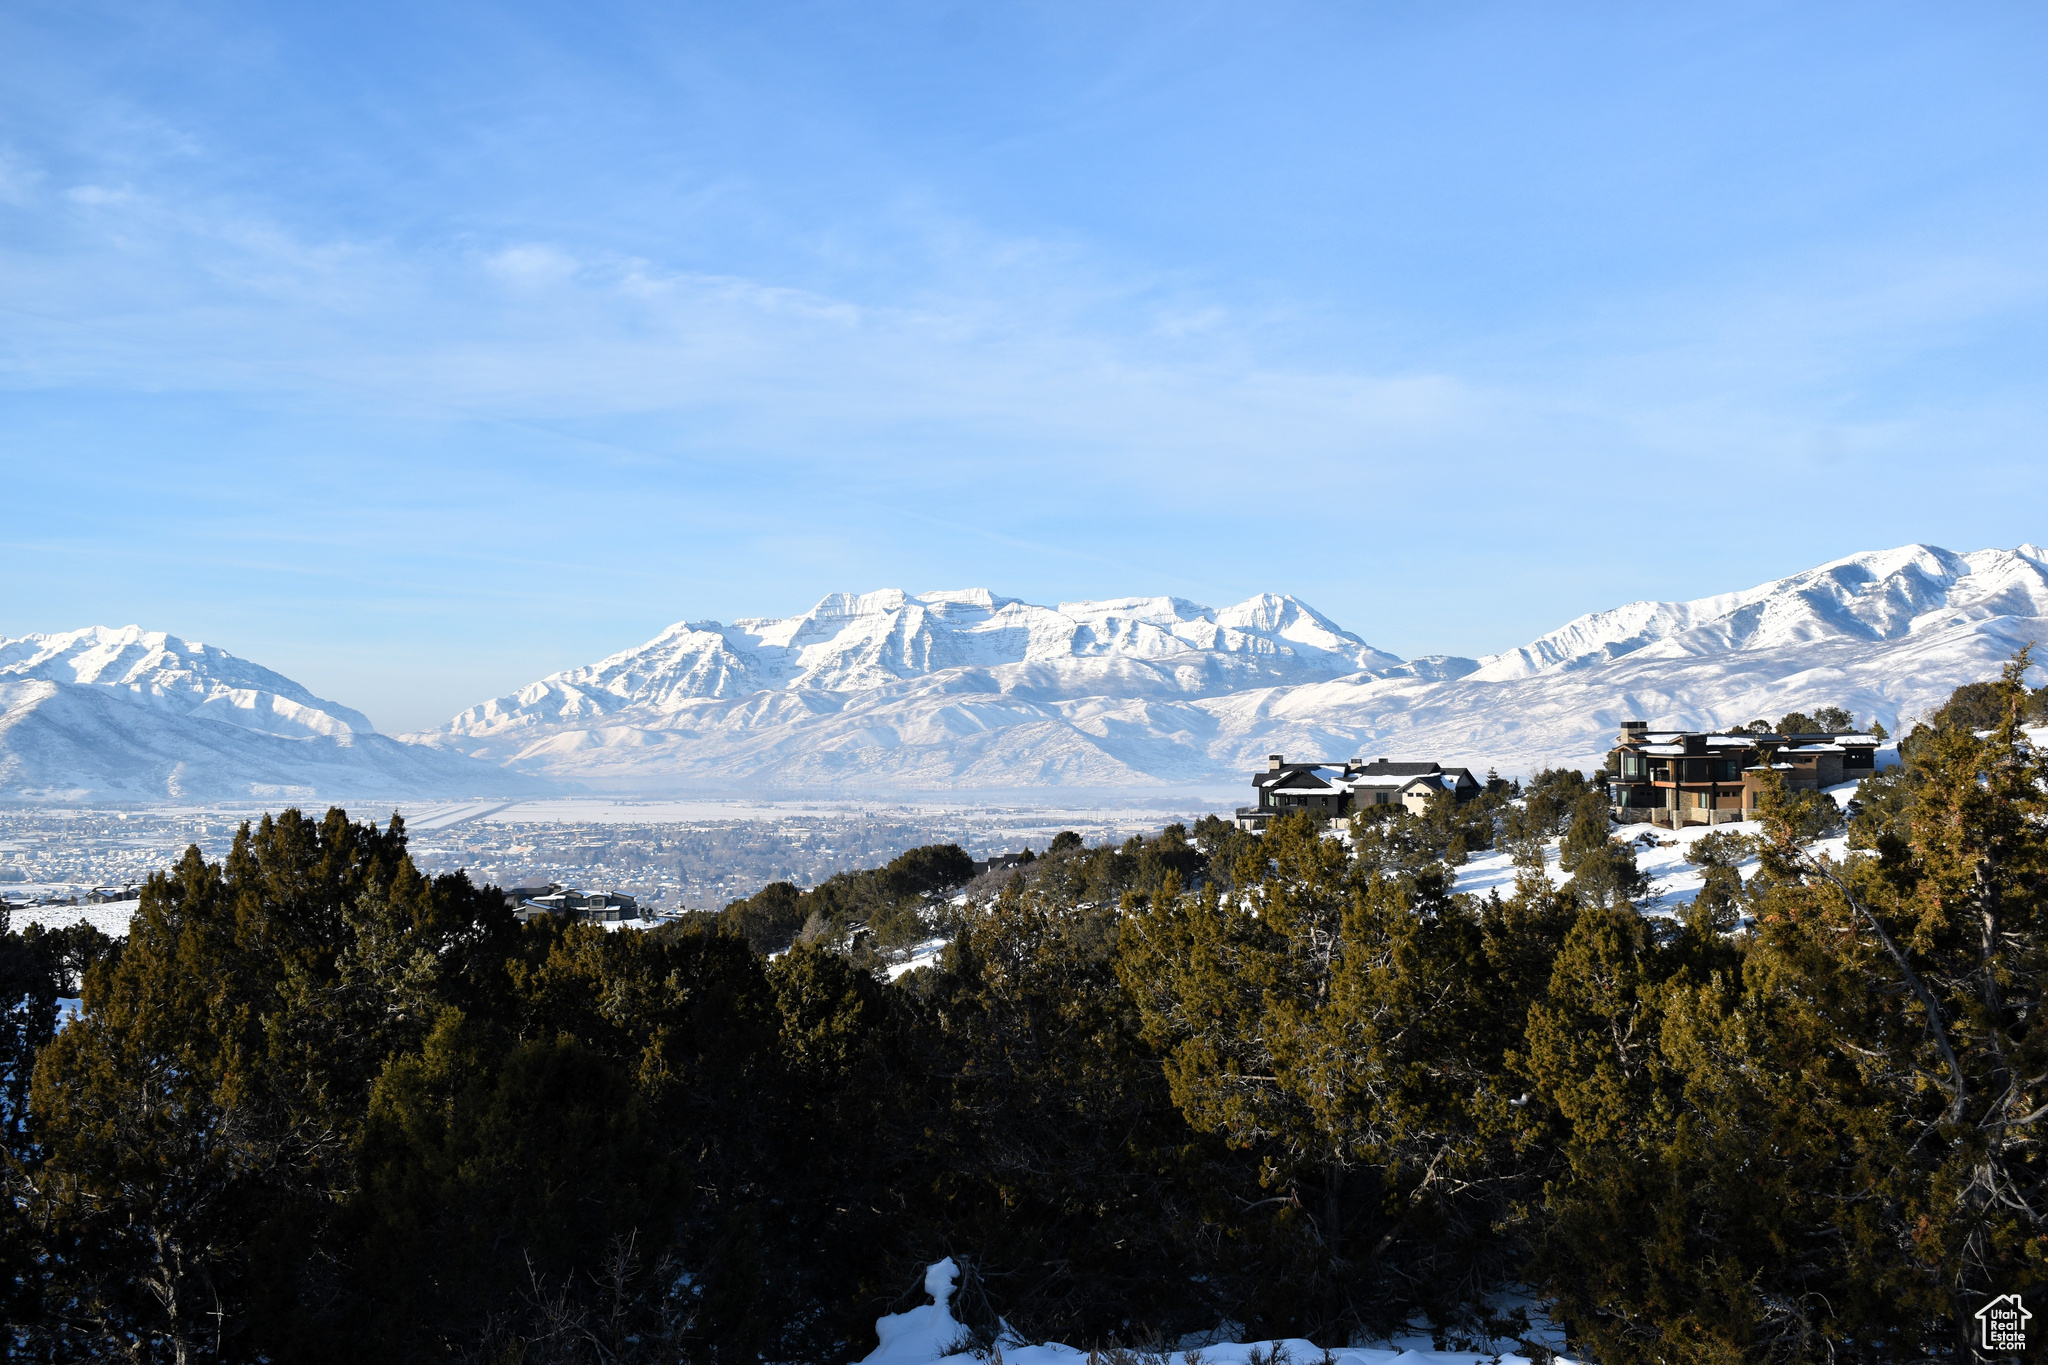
(1660,853)
(931,1332)
(110,918)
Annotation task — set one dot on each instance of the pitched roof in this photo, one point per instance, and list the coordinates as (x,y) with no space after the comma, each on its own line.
(1307,782)
(1397,782)
(1387,768)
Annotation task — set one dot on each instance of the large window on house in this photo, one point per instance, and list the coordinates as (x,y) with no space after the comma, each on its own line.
(1728,770)
(1704,800)
(1632,764)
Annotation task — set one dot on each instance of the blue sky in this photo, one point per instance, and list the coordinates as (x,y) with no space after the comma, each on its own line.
(418,351)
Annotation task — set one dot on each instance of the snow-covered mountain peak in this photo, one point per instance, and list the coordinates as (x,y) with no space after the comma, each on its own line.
(1289,618)
(861,642)
(1873,596)
(179,675)
(128,713)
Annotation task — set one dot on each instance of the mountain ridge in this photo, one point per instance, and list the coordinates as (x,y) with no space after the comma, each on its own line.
(1155,692)
(121,713)
(967,691)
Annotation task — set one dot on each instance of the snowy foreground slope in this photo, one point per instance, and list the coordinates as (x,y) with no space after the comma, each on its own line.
(932,1333)
(128,714)
(970,691)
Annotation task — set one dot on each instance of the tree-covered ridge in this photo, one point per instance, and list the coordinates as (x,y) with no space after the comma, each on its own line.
(319,1107)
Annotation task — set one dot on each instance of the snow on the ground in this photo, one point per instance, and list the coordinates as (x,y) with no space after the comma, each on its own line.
(925,954)
(110,919)
(1661,854)
(931,1333)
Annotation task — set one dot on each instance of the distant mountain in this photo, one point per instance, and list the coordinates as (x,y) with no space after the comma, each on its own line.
(865,642)
(888,693)
(1879,597)
(888,690)
(971,691)
(1887,634)
(102,714)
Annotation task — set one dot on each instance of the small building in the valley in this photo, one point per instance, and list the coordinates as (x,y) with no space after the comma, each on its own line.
(1337,790)
(1699,777)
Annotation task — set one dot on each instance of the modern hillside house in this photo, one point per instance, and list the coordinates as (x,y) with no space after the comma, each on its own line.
(599,907)
(1337,790)
(1694,777)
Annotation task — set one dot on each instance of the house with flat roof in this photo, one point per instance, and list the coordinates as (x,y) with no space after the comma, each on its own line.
(1338,790)
(1701,777)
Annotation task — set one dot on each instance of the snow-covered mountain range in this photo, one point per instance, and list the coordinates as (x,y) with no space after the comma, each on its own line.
(128,714)
(967,690)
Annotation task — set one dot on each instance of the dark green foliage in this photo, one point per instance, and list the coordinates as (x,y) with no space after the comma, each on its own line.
(1222,844)
(1066,1175)
(1586,835)
(1974,706)
(1824,1143)
(33,976)
(1811,815)
(1101,876)
(1389,837)
(1718,848)
(849,1174)
(1607,876)
(1342,1025)
(924,871)
(769,919)
(1549,804)
(897,903)
(1718,907)
(487,1159)
(1833,719)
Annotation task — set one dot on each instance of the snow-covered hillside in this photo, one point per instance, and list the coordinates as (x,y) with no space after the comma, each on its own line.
(129,714)
(1877,597)
(852,643)
(968,690)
